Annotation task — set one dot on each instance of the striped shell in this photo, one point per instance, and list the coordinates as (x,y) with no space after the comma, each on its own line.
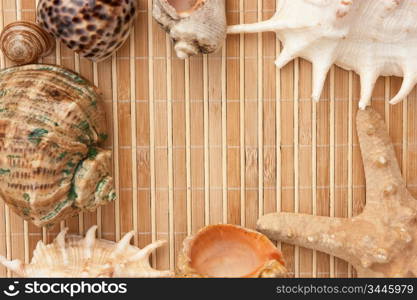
(195,26)
(88,258)
(230,251)
(51,123)
(25,42)
(370,37)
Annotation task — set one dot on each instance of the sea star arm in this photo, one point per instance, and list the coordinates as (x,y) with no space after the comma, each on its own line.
(384,182)
(321,233)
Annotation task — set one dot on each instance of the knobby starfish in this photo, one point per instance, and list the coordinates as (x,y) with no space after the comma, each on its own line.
(382,240)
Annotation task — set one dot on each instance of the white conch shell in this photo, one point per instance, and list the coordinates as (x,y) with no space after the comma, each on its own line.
(88,257)
(197,26)
(370,37)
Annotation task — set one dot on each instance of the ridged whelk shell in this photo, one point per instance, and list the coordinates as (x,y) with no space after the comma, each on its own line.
(51,125)
(88,257)
(230,251)
(25,42)
(197,26)
(370,37)
(95,29)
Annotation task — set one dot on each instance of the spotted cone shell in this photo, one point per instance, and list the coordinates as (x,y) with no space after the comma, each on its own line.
(51,124)
(95,28)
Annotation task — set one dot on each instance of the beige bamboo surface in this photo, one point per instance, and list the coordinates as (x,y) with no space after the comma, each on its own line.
(220,138)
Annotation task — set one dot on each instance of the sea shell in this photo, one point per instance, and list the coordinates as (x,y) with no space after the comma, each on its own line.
(196,26)
(230,251)
(25,42)
(51,123)
(370,37)
(95,29)
(88,257)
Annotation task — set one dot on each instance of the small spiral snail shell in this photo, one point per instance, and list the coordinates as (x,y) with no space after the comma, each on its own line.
(25,42)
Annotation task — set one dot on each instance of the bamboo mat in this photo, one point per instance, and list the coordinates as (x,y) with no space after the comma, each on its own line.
(220,138)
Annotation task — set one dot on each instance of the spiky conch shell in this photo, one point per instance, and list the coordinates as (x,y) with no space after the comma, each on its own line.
(51,125)
(370,37)
(196,28)
(230,251)
(88,257)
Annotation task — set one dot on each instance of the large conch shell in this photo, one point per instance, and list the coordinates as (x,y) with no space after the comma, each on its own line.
(51,126)
(195,26)
(230,251)
(370,37)
(88,257)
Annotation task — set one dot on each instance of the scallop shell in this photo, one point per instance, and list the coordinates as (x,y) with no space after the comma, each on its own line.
(95,29)
(196,26)
(370,37)
(25,42)
(230,251)
(88,257)
(51,124)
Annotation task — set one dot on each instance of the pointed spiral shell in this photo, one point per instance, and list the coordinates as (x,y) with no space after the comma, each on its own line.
(25,42)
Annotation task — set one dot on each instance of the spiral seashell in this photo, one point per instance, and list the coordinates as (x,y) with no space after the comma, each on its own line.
(230,251)
(25,42)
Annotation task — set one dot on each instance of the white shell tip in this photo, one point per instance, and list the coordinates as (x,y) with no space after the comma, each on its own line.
(184,50)
(92,230)
(363,105)
(315,98)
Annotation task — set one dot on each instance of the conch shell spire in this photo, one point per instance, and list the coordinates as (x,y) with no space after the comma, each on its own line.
(371,37)
(88,257)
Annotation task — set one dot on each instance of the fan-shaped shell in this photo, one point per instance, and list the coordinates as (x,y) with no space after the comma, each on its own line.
(94,29)
(51,123)
(196,26)
(370,37)
(25,42)
(230,251)
(88,257)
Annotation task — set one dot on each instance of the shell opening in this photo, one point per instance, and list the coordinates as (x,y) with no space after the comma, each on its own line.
(230,251)
(185,6)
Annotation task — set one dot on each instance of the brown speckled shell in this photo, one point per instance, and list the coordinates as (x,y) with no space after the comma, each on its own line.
(51,123)
(94,28)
